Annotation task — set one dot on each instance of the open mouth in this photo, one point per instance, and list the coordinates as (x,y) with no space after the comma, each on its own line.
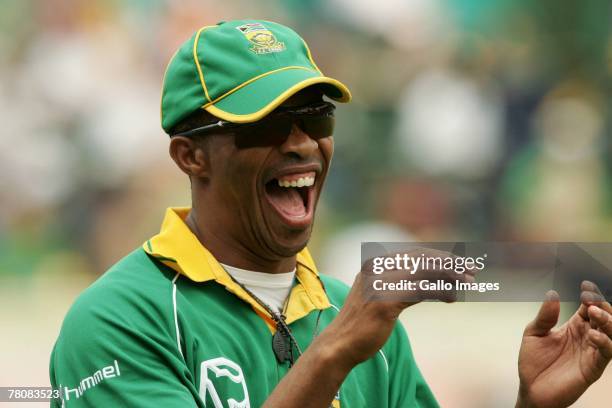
(292,197)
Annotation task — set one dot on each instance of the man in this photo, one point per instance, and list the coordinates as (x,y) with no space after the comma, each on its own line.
(225,307)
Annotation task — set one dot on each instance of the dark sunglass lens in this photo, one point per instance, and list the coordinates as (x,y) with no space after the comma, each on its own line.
(273,131)
(318,127)
(270,132)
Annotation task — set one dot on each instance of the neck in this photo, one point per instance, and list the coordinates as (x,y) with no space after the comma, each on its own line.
(231,252)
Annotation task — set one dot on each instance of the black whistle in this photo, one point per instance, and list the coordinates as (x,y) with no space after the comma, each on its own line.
(281,346)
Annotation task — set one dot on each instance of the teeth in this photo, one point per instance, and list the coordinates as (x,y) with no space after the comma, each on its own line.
(301,182)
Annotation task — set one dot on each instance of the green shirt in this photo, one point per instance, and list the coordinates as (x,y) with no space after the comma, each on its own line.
(166,326)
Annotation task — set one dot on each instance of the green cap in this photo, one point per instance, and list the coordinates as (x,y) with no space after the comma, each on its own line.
(240,71)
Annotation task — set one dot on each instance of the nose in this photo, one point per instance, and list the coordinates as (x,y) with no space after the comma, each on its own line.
(299,143)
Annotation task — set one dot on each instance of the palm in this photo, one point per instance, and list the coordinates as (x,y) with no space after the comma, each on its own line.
(561,365)
(556,366)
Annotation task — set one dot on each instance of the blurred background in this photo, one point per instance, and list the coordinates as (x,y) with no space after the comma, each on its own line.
(471,120)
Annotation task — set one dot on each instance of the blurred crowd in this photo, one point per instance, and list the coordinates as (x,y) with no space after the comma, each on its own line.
(470,120)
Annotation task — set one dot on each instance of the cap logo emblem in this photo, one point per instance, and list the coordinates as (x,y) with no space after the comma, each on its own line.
(262,40)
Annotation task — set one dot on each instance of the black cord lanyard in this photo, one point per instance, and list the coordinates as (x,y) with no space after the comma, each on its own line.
(283,340)
(283,334)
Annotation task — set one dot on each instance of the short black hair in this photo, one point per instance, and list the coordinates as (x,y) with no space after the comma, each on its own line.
(196,119)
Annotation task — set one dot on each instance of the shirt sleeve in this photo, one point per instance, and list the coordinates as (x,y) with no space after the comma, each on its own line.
(113,353)
(407,387)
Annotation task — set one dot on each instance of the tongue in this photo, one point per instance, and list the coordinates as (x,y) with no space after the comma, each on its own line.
(287,200)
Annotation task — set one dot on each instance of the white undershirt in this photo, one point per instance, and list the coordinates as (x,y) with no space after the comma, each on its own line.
(270,288)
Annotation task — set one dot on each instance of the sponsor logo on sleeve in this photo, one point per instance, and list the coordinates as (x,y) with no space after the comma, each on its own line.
(89,382)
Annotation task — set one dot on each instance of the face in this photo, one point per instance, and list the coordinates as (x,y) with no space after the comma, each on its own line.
(265,196)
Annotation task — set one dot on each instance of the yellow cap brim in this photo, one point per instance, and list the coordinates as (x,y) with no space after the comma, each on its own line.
(255,99)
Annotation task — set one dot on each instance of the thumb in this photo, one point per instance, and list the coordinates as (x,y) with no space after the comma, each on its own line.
(547,317)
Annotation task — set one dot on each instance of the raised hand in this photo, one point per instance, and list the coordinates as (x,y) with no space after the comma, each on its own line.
(556,366)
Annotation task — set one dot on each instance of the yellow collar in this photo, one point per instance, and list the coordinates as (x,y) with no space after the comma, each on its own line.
(178,248)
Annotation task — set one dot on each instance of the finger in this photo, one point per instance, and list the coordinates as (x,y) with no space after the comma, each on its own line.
(547,316)
(600,319)
(442,266)
(588,298)
(588,286)
(432,275)
(450,276)
(602,342)
(583,312)
(470,278)
(433,291)
(399,286)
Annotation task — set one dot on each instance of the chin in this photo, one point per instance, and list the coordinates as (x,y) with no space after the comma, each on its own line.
(292,243)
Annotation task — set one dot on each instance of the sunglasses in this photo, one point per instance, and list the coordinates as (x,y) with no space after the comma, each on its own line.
(317,120)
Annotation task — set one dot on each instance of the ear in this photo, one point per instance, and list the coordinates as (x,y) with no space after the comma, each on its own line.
(189,156)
